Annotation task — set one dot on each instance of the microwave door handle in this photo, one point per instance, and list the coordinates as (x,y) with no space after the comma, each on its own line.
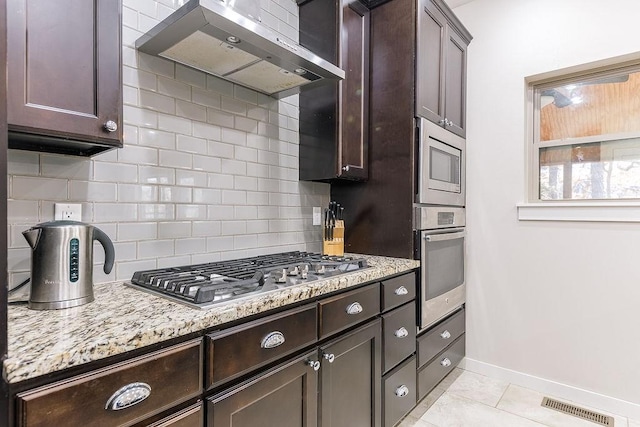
(444,236)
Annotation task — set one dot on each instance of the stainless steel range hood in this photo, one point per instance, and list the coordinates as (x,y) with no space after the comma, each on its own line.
(230,43)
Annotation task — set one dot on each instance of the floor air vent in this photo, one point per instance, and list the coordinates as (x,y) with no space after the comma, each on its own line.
(576,411)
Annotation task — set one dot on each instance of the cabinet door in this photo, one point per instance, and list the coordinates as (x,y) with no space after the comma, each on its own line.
(456,78)
(64,72)
(354,92)
(430,76)
(285,397)
(350,379)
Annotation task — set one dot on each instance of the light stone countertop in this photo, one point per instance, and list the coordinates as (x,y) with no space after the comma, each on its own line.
(123,319)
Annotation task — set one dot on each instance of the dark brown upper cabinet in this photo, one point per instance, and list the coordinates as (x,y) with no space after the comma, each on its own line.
(441,66)
(64,75)
(334,119)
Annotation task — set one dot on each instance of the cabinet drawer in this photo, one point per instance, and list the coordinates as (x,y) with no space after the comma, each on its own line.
(237,351)
(348,309)
(399,336)
(189,417)
(173,375)
(400,392)
(439,337)
(398,290)
(440,366)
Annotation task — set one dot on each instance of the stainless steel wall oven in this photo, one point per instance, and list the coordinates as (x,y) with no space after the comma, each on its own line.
(440,238)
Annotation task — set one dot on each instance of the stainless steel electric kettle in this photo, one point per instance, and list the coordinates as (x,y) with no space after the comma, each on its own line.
(62,263)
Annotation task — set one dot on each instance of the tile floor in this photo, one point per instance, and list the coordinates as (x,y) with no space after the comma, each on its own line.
(467,399)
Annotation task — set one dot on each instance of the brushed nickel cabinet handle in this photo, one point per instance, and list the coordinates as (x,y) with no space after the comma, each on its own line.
(314,364)
(401,291)
(445,335)
(445,362)
(272,340)
(111,126)
(402,391)
(330,357)
(401,333)
(128,396)
(354,308)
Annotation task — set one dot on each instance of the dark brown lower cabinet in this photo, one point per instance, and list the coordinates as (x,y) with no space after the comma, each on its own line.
(350,379)
(286,396)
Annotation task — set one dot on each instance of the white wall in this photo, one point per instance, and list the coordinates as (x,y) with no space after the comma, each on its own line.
(209,169)
(556,301)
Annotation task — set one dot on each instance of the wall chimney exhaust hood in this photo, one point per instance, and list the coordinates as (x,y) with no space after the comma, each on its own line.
(229,42)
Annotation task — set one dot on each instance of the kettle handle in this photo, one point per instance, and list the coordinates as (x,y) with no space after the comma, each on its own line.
(109,251)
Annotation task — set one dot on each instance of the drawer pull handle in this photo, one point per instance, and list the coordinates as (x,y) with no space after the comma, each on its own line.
(272,340)
(445,362)
(402,391)
(314,364)
(401,333)
(354,308)
(330,357)
(127,396)
(401,291)
(445,335)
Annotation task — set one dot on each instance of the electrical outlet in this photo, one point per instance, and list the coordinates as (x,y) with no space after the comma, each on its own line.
(317,215)
(67,211)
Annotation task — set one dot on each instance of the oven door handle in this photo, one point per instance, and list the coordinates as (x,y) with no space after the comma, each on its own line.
(444,236)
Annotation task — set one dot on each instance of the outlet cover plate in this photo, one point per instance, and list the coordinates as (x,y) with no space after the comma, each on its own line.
(317,215)
(67,211)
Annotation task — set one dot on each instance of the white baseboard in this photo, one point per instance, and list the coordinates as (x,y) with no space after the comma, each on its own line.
(555,389)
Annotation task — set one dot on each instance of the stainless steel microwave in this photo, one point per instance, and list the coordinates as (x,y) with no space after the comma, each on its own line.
(441,168)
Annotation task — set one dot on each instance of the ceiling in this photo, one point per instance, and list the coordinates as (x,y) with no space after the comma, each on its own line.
(456,3)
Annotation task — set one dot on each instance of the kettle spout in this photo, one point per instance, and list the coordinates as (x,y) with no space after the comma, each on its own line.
(31,236)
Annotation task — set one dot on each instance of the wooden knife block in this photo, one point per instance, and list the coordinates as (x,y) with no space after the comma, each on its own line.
(335,246)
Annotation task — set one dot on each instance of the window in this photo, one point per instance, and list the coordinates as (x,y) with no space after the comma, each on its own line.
(586,136)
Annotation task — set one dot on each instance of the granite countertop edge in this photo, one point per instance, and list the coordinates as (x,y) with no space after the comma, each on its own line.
(42,342)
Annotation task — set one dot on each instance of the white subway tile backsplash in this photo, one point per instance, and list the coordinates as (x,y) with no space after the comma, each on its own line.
(155,248)
(30,188)
(206,163)
(208,167)
(174,88)
(140,117)
(157,212)
(115,212)
(138,155)
(205,130)
(220,149)
(139,79)
(206,228)
(232,228)
(219,85)
(219,118)
(233,197)
(174,124)
(124,251)
(175,194)
(191,178)
(191,246)
(233,106)
(137,193)
(174,229)
(137,231)
(190,144)
(207,196)
(19,259)
(176,159)
(93,191)
(191,111)
(191,212)
(191,76)
(157,175)
(245,183)
(157,138)
(157,102)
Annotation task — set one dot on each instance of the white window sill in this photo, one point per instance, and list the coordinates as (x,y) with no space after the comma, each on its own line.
(572,211)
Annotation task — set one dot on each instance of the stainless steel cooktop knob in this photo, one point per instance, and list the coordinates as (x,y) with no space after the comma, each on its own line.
(281,277)
(321,269)
(304,271)
(293,271)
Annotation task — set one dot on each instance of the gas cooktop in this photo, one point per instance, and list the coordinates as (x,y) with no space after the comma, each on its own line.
(204,285)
